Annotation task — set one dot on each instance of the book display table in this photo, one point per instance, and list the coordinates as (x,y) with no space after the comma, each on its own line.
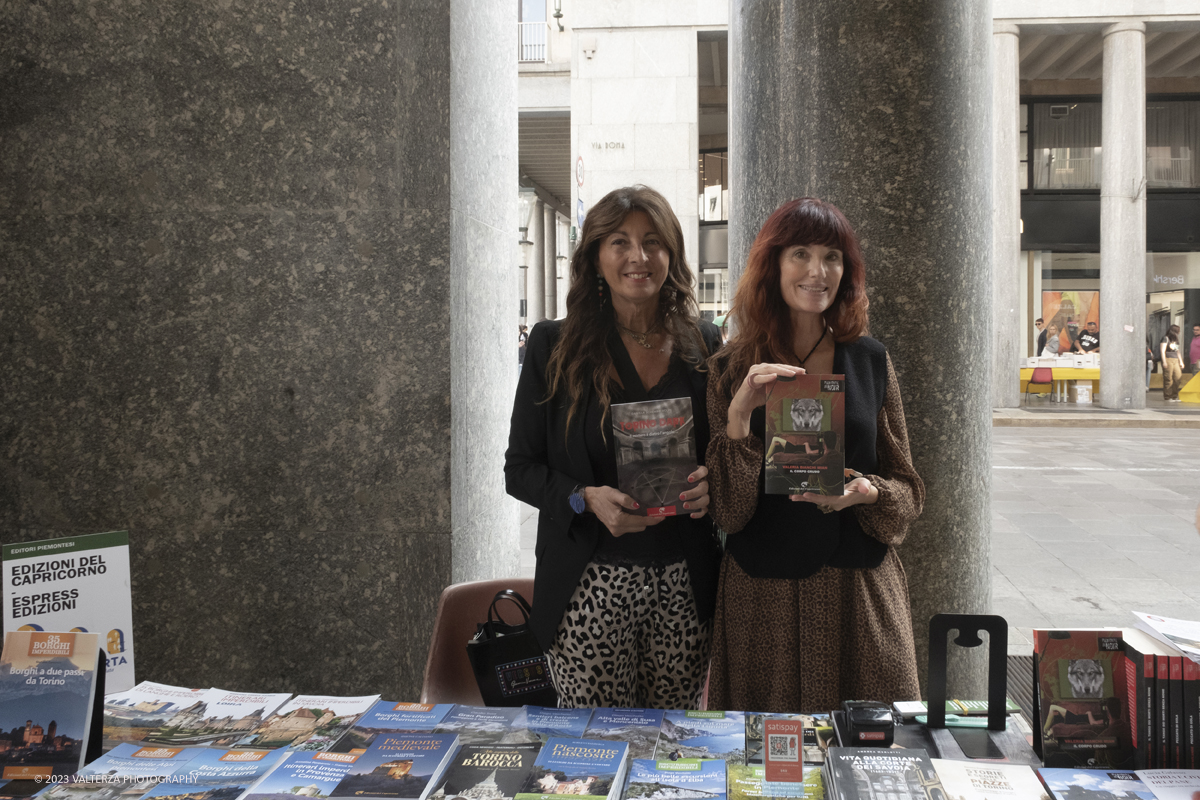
(1063,374)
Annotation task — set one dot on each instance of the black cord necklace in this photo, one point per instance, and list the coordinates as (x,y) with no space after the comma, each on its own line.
(824,333)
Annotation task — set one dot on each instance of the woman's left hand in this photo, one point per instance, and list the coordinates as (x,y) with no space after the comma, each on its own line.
(858,491)
(696,498)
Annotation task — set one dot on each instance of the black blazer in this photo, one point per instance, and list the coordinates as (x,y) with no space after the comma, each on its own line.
(542,467)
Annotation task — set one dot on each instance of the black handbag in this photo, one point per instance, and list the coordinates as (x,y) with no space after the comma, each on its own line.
(508,663)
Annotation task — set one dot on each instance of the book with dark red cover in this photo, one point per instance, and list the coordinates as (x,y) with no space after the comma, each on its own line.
(1191,713)
(655,447)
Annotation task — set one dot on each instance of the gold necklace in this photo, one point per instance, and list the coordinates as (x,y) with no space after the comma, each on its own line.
(640,338)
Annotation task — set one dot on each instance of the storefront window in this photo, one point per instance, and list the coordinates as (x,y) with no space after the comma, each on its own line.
(714,185)
(1172,144)
(1066,146)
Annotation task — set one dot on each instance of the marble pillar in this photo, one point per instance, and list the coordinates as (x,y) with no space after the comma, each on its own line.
(1006,217)
(257,271)
(1123,218)
(885,111)
(535,276)
(550,245)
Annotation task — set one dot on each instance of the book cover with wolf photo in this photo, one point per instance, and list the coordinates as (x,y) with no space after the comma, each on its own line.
(805,435)
(1085,693)
(655,446)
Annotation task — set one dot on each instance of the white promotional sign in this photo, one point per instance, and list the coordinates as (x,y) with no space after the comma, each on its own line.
(78,583)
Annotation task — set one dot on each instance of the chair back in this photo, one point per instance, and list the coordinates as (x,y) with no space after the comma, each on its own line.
(1042,375)
(448,674)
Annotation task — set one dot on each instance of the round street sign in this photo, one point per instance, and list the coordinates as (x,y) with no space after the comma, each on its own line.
(579,171)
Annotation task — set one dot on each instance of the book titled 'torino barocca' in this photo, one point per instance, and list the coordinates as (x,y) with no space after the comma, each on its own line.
(656,451)
(805,435)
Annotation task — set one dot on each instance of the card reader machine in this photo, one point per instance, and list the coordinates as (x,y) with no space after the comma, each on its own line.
(868,723)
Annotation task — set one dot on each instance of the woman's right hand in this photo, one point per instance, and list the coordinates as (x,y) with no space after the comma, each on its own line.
(752,393)
(609,506)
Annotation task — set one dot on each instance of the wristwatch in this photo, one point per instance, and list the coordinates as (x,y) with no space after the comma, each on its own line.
(578,504)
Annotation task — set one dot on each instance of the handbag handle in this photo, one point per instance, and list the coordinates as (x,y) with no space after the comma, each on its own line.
(513,597)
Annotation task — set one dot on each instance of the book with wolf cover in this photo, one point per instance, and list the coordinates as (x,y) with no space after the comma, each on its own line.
(858,773)
(48,690)
(684,779)
(399,765)
(655,444)
(1087,698)
(805,435)
(487,772)
(577,769)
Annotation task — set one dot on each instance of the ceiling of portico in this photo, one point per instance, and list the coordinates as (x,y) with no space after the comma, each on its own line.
(1080,55)
(544,154)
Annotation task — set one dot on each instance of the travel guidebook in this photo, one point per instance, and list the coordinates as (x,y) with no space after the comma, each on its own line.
(488,772)
(637,726)
(702,734)
(48,690)
(128,771)
(478,724)
(1086,689)
(538,723)
(748,782)
(966,780)
(218,718)
(582,769)
(1172,784)
(805,435)
(132,715)
(303,775)
(852,773)
(387,716)
(1094,784)
(656,451)
(308,722)
(685,779)
(217,774)
(399,765)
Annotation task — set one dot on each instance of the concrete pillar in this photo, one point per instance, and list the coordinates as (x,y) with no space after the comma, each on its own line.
(535,276)
(883,110)
(257,302)
(1123,218)
(550,240)
(1006,216)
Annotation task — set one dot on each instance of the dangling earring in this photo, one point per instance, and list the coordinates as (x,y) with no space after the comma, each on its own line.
(600,288)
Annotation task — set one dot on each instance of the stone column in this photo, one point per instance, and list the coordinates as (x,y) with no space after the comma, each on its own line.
(1123,218)
(257,299)
(1006,217)
(878,109)
(535,276)
(550,239)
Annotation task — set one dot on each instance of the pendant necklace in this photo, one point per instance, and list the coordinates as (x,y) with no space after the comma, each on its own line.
(824,333)
(641,338)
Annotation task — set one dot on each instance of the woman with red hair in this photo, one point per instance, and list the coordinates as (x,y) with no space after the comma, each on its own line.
(813,605)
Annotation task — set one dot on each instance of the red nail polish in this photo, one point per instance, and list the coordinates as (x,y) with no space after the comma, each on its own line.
(691,478)
(636,504)
(681,497)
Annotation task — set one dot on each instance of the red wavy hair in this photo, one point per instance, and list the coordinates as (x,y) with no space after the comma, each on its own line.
(763,320)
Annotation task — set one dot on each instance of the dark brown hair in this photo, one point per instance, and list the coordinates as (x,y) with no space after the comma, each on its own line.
(581,356)
(764,321)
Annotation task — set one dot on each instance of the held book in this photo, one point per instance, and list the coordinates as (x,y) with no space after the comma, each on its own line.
(399,765)
(487,772)
(655,444)
(805,435)
(50,696)
(684,779)
(577,769)
(702,734)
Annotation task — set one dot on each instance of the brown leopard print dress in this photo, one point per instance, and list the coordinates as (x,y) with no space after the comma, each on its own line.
(842,634)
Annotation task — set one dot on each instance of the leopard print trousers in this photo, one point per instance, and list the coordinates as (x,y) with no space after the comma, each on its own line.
(631,637)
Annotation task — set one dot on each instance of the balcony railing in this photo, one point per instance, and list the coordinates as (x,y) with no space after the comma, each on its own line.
(531,41)
(1172,173)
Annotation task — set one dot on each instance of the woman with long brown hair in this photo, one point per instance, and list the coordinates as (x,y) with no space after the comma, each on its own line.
(622,603)
(813,604)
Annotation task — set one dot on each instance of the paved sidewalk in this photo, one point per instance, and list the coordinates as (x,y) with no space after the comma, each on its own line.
(1088,523)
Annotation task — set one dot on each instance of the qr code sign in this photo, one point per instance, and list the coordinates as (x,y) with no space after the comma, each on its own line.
(784,746)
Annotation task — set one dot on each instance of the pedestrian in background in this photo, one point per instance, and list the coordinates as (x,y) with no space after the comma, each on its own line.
(522,337)
(1172,364)
(1194,350)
